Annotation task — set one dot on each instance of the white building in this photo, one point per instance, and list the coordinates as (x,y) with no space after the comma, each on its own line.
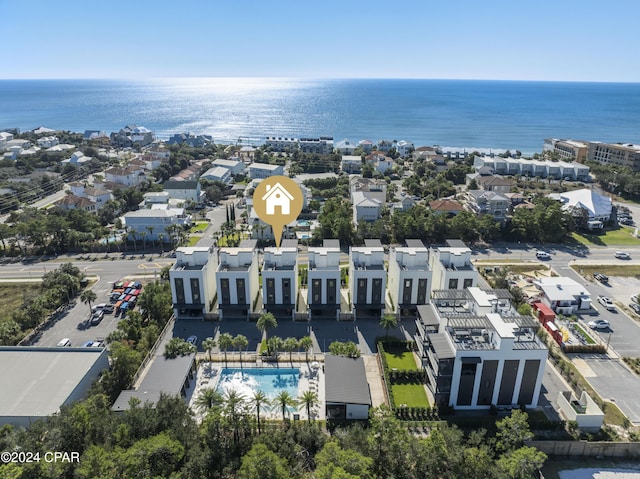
(351,164)
(365,209)
(47,141)
(345,147)
(149,224)
(237,281)
(366,145)
(598,207)
(544,169)
(404,148)
(193,282)
(410,278)
(478,351)
(323,281)
(322,145)
(4,138)
(280,279)
(373,189)
(235,167)
(184,190)
(279,143)
(483,202)
(367,280)
(265,170)
(451,266)
(217,173)
(564,295)
(125,176)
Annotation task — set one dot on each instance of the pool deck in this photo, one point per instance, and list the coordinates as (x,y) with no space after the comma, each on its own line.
(208,375)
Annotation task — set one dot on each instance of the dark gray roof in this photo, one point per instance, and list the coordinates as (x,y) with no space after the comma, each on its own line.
(179,185)
(414,243)
(456,243)
(450,294)
(468,321)
(427,315)
(441,346)
(289,243)
(164,376)
(373,243)
(248,243)
(331,243)
(346,380)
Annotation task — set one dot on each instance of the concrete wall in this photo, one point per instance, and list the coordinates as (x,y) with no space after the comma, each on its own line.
(584,448)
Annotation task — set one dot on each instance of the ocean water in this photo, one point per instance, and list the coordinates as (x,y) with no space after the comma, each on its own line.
(450,113)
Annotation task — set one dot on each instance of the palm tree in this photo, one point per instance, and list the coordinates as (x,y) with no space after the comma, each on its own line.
(208,399)
(284,400)
(308,400)
(259,400)
(161,241)
(265,323)
(87,297)
(150,230)
(388,321)
(274,345)
(143,234)
(240,342)
(208,344)
(234,408)
(306,343)
(290,345)
(225,341)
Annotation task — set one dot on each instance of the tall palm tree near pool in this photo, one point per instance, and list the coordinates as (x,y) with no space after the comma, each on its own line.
(265,323)
(208,399)
(284,401)
(235,406)
(208,344)
(258,401)
(225,341)
(290,345)
(307,401)
(240,342)
(306,343)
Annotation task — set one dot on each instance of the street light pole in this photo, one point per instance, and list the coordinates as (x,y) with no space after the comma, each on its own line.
(608,339)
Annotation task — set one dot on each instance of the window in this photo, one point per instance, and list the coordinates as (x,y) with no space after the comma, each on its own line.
(453,283)
(179,284)
(468,283)
(195,291)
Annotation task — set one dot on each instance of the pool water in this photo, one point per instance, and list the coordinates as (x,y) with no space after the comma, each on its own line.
(270,381)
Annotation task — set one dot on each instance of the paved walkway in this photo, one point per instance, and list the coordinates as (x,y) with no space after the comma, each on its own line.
(374,378)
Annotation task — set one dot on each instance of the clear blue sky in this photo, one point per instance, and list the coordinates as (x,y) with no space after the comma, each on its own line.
(583,40)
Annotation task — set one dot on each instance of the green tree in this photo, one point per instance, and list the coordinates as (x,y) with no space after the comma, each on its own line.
(307,401)
(306,343)
(208,344)
(512,431)
(290,345)
(334,461)
(208,399)
(225,341)
(522,463)
(261,463)
(388,321)
(284,401)
(258,401)
(266,322)
(178,347)
(87,297)
(240,342)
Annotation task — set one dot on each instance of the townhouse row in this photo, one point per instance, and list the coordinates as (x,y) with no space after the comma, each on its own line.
(323,283)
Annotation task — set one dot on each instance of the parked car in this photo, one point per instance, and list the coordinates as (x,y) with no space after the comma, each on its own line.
(98,307)
(599,324)
(108,309)
(193,340)
(64,343)
(634,298)
(601,277)
(622,255)
(606,302)
(96,317)
(635,307)
(543,255)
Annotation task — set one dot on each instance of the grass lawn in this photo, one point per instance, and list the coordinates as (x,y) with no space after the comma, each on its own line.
(199,227)
(193,240)
(413,395)
(629,270)
(584,335)
(401,360)
(12,295)
(622,236)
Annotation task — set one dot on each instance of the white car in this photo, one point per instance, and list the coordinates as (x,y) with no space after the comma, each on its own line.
(542,255)
(599,324)
(606,302)
(622,255)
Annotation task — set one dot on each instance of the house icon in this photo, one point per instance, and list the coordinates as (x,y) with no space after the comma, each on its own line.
(277,195)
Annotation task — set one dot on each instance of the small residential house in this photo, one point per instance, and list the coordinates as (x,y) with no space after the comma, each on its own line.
(132,135)
(184,190)
(193,282)
(47,141)
(323,280)
(127,176)
(367,280)
(564,295)
(265,170)
(410,277)
(365,209)
(495,183)
(237,279)
(152,224)
(366,145)
(372,189)
(351,164)
(451,266)
(483,202)
(280,279)
(235,167)
(446,206)
(345,147)
(217,173)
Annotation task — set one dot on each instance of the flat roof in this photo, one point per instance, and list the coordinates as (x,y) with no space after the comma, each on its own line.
(164,376)
(37,381)
(414,243)
(331,243)
(441,346)
(346,380)
(373,243)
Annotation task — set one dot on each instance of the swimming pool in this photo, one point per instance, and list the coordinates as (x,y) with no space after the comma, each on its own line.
(271,381)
